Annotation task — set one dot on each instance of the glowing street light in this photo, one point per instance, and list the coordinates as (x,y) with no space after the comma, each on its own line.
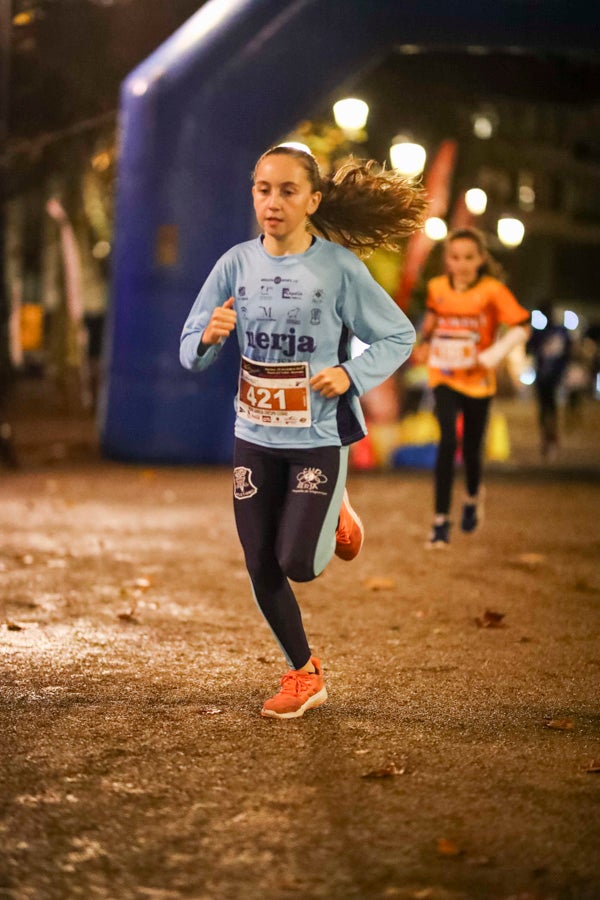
(510,231)
(435,228)
(570,319)
(527,376)
(476,201)
(101,249)
(538,319)
(407,158)
(350,114)
(483,127)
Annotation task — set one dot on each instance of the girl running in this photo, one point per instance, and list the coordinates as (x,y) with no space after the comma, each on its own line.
(294,298)
(464,309)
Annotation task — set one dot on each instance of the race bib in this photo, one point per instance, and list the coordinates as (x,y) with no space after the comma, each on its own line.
(453,350)
(274,394)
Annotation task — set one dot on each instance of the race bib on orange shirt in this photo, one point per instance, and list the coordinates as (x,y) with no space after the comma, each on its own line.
(274,394)
(453,349)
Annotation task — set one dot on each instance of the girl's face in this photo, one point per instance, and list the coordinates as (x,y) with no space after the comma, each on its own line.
(283,199)
(463,260)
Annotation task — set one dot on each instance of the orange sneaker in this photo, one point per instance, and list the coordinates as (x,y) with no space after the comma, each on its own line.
(350,533)
(299,691)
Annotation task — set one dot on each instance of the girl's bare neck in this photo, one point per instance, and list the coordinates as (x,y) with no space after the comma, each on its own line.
(461,285)
(287,247)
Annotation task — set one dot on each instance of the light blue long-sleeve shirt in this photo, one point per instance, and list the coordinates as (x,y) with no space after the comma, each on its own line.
(304,308)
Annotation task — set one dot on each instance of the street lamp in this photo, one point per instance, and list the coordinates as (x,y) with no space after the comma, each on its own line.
(350,114)
(510,231)
(435,228)
(484,122)
(570,320)
(408,158)
(476,201)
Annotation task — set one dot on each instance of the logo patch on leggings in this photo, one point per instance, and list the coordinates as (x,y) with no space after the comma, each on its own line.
(243,488)
(309,480)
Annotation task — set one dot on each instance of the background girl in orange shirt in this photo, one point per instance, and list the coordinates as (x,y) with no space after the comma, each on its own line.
(465,308)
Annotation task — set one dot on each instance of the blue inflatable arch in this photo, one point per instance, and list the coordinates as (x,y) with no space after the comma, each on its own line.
(194,117)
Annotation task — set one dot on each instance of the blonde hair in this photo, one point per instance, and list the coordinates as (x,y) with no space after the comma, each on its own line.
(363,205)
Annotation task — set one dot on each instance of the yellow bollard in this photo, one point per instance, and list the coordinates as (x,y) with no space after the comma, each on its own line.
(497,444)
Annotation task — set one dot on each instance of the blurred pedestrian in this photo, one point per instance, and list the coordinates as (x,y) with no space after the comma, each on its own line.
(294,297)
(458,338)
(550,347)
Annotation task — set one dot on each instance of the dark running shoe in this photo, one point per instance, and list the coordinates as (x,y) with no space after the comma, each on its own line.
(469,521)
(439,537)
(472,514)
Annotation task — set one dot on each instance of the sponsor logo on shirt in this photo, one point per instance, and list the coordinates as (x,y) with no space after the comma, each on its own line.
(289,294)
(472,322)
(288,344)
(293,315)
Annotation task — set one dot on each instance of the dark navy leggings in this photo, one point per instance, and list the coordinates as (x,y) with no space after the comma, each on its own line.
(448,404)
(286,505)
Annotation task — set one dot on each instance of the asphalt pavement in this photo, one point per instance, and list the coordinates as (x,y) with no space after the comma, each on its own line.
(458,755)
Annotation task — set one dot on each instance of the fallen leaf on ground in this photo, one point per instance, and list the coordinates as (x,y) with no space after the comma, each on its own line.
(128,617)
(386,771)
(133,595)
(559,724)
(594,766)
(14,626)
(142,583)
(491,619)
(379,583)
(210,711)
(448,848)
(531,559)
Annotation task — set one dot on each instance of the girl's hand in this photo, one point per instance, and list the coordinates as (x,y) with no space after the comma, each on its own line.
(222,323)
(331,382)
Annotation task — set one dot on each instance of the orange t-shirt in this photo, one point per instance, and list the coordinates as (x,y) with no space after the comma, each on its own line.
(466,324)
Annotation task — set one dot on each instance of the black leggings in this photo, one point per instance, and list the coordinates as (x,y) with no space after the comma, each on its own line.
(545,390)
(286,505)
(448,404)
